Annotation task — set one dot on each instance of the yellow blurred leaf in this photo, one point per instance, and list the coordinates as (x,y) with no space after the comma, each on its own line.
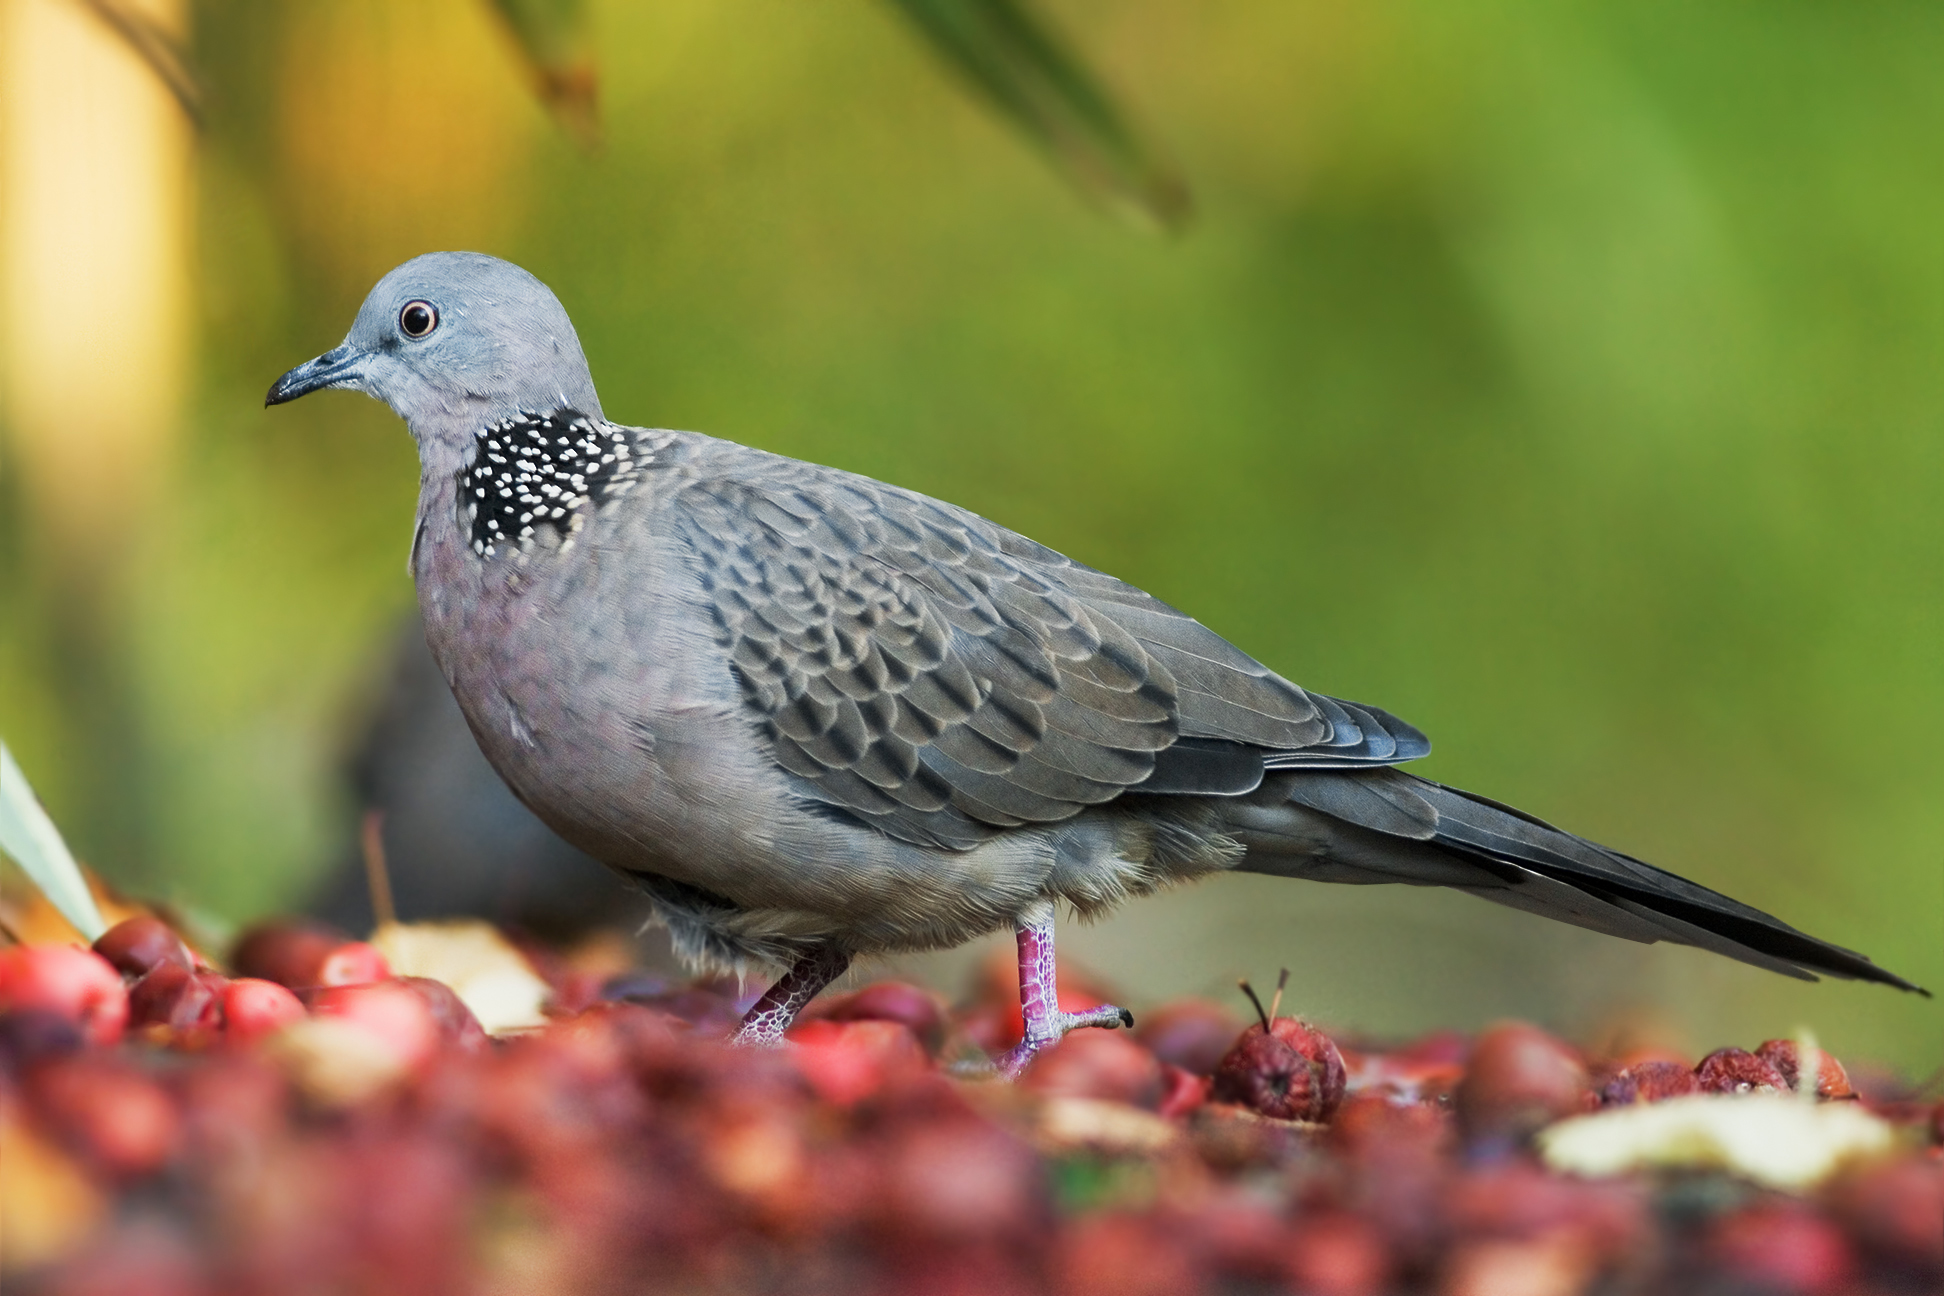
(47,1205)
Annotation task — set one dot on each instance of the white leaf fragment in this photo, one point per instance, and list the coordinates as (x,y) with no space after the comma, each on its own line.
(482,967)
(337,1063)
(1067,1123)
(1776,1140)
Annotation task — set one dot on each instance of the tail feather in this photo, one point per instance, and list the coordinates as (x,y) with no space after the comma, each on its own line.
(1528,864)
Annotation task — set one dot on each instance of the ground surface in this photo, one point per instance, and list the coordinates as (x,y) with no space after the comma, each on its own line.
(179,1131)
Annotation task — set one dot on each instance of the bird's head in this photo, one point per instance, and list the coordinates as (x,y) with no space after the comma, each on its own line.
(452,341)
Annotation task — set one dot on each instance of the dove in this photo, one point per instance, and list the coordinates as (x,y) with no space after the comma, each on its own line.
(815,717)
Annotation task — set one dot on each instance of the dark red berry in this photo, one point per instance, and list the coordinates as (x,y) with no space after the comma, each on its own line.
(135,945)
(1649,1082)
(1831,1080)
(171,995)
(1291,1071)
(1519,1078)
(1735,1071)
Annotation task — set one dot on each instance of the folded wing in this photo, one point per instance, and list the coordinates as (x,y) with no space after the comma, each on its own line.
(943,678)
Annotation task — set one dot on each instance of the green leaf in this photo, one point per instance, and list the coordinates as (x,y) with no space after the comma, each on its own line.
(551,36)
(1016,59)
(27,834)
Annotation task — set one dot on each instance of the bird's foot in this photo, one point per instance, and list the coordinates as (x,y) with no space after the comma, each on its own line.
(1043,1021)
(763,1026)
(1013,1063)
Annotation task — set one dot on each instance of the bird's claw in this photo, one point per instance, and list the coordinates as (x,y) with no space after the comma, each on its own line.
(1013,1063)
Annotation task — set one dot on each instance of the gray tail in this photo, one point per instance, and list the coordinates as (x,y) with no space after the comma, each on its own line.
(1384,825)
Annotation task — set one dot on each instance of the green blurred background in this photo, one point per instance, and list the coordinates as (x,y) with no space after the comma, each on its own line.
(1562,377)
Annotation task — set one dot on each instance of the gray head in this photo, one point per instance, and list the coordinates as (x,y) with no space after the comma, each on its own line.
(452,341)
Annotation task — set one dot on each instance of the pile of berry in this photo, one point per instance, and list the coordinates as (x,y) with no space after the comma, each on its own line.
(315,1124)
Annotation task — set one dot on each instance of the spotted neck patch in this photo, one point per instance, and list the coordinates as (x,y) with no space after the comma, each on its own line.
(538,470)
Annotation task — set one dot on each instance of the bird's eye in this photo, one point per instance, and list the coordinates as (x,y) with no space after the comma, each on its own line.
(417,319)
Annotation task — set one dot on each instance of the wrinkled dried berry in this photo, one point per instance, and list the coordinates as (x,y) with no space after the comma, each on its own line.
(1649,1082)
(1831,1080)
(1292,1072)
(1737,1071)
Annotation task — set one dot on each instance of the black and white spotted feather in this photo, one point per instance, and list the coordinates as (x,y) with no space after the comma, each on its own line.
(534,472)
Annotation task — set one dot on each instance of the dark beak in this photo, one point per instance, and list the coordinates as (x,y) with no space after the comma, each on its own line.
(339,368)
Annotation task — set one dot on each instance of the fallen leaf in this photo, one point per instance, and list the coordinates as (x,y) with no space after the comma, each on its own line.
(1777,1140)
(483,968)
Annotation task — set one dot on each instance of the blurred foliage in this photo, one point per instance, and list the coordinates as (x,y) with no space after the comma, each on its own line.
(1562,378)
(1009,53)
(156,47)
(552,38)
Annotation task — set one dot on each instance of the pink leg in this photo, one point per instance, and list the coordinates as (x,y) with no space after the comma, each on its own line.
(1039,998)
(771,1015)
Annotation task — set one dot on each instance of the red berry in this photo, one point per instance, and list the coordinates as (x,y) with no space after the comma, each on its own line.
(353,963)
(1339,1254)
(916,1008)
(1782,1248)
(395,1015)
(253,1008)
(1113,1254)
(76,984)
(1183,1091)
(285,952)
(124,1120)
(171,995)
(1105,1064)
(455,1021)
(1292,1072)
(1192,1034)
(1519,1078)
(1649,1082)
(845,1062)
(1831,1080)
(135,945)
(953,1177)
(1737,1071)
(1892,1210)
